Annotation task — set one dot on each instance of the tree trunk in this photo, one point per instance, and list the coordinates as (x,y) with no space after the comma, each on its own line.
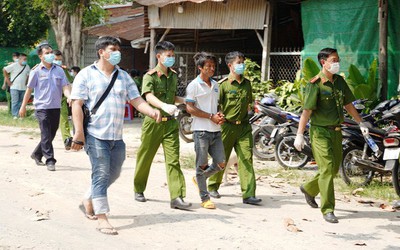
(68,30)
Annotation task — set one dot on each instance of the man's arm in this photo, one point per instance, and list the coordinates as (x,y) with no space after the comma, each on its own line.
(6,77)
(179,100)
(77,119)
(142,106)
(27,96)
(153,100)
(305,116)
(193,110)
(353,112)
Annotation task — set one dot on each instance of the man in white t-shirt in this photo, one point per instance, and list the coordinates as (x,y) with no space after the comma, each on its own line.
(202,103)
(16,76)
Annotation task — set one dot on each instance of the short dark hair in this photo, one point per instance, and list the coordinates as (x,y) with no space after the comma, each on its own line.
(105,41)
(23,54)
(134,72)
(231,56)
(17,54)
(76,69)
(325,53)
(164,46)
(201,58)
(43,46)
(57,52)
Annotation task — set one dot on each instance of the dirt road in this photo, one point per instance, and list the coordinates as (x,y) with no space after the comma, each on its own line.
(39,209)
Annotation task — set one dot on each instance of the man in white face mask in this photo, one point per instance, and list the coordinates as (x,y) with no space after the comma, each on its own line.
(325,96)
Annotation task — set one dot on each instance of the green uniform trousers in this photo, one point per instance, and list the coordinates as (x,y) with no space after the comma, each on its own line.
(154,134)
(328,152)
(64,123)
(240,138)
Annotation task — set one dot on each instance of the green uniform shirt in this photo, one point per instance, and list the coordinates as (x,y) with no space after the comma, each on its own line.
(235,98)
(163,87)
(326,99)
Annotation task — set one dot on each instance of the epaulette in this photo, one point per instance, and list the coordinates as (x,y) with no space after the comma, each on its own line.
(150,72)
(222,80)
(34,67)
(314,79)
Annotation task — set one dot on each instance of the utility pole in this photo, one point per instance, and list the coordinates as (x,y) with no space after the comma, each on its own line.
(383,29)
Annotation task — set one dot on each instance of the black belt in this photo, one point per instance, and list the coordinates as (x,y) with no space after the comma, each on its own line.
(166,118)
(237,122)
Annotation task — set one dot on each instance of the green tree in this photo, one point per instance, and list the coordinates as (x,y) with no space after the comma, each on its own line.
(68,17)
(21,25)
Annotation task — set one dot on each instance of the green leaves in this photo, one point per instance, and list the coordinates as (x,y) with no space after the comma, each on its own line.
(253,73)
(310,69)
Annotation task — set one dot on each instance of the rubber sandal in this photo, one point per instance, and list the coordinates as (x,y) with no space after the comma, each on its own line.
(107,230)
(208,204)
(88,216)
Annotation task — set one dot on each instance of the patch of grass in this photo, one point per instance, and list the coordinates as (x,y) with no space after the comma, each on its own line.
(188,161)
(27,122)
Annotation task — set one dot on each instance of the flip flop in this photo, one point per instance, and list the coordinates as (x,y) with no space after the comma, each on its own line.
(107,230)
(88,216)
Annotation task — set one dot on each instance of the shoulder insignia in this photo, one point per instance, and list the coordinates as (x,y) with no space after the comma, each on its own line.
(222,80)
(314,79)
(152,71)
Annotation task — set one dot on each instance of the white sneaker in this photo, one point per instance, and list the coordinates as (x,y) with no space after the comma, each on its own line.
(15,118)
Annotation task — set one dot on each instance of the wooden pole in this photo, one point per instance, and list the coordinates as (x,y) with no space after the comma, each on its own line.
(265,63)
(152,46)
(383,28)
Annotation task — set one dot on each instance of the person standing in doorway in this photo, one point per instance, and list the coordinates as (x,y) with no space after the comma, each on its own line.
(159,88)
(202,103)
(16,76)
(325,96)
(49,82)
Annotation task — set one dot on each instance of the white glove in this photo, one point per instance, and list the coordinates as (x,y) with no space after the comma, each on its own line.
(169,108)
(299,142)
(364,127)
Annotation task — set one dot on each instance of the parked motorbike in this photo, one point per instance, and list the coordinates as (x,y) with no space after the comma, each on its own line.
(185,123)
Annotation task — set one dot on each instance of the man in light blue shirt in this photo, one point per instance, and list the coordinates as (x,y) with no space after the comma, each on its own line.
(103,141)
(49,82)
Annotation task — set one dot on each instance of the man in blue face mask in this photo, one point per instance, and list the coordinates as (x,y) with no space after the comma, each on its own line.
(49,82)
(234,100)
(159,88)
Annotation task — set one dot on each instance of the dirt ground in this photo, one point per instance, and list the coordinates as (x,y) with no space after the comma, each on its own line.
(39,209)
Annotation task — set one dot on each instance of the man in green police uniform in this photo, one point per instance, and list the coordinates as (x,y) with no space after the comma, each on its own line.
(159,88)
(235,99)
(325,96)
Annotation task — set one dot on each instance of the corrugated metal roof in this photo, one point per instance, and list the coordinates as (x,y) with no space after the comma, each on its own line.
(249,14)
(162,3)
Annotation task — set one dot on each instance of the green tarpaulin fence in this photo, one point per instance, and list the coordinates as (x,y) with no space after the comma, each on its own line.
(352,28)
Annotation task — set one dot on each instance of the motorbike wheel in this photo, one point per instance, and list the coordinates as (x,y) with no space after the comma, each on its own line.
(185,124)
(396,177)
(352,174)
(261,138)
(287,155)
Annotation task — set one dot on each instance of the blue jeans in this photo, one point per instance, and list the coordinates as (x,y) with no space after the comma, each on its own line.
(17,96)
(207,143)
(106,157)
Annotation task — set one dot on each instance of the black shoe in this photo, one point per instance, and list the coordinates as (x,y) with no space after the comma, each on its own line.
(180,204)
(309,199)
(331,218)
(38,161)
(214,194)
(51,166)
(252,200)
(140,197)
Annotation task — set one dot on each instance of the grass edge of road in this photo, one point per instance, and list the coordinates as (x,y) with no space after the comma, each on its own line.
(29,121)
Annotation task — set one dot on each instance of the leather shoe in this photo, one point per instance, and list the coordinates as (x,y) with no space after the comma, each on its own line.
(179,203)
(331,218)
(309,199)
(140,197)
(51,166)
(214,194)
(251,200)
(37,161)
